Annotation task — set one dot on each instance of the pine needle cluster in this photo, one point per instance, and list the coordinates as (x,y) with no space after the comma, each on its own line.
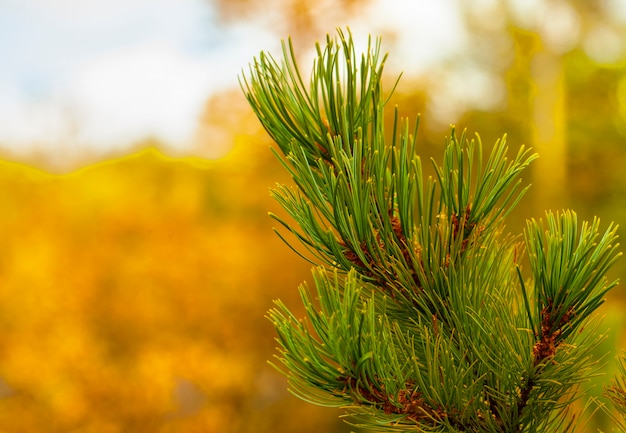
(420,316)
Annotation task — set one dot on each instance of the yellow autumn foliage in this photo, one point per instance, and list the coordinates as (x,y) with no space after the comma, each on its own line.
(133,298)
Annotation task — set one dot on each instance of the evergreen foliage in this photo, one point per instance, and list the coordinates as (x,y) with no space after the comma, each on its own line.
(616,393)
(420,316)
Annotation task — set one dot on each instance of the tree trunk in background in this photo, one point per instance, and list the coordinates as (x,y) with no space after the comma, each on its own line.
(549,131)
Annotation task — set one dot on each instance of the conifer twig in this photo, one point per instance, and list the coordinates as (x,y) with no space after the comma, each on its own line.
(420,317)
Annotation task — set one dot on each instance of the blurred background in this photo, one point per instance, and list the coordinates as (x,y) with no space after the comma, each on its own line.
(137,261)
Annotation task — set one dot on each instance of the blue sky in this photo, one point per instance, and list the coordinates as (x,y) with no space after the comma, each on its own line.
(102,74)
(95,76)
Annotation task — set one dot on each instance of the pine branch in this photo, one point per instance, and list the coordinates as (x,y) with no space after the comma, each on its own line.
(420,317)
(616,393)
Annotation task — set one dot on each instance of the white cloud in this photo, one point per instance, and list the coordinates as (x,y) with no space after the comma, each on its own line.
(148,89)
(101,74)
(425,32)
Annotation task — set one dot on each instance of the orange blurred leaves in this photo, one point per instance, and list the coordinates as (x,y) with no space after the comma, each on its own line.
(133,298)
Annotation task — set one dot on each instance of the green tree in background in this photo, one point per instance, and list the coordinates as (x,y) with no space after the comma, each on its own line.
(421,317)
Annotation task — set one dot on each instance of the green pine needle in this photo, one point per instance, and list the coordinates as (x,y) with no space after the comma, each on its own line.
(419,317)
